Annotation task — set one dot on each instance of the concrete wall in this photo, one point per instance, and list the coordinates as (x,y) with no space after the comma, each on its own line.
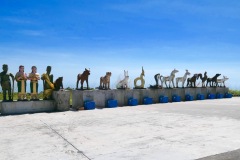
(61,102)
(101,96)
(22,107)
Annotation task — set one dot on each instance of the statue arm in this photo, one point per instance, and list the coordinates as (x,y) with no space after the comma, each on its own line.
(51,78)
(17,77)
(11,75)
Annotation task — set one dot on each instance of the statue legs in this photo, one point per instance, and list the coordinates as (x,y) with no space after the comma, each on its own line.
(34,90)
(22,90)
(47,94)
(4,95)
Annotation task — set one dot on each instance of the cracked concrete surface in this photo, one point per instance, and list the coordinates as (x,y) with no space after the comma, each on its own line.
(183,131)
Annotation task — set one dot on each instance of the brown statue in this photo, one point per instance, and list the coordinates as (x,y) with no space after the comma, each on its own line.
(48,85)
(21,79)
(105,81)
(6,83)
(83,77)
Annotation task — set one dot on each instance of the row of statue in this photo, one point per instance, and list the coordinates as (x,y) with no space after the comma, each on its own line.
(7,83)
(123,84)
(48,85)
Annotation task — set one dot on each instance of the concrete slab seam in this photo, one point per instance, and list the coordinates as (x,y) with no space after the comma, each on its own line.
(65,139)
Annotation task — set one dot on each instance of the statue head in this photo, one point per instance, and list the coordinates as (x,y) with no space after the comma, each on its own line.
(5,67)
(21,68)
(87,71)
(49,68)
(34,69)
(143,72)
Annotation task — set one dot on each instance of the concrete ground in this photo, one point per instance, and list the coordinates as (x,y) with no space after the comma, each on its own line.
(206,130)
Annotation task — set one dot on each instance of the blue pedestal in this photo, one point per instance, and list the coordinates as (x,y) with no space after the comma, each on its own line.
(112,103)
(163,99)
(176,98)
(147,100)
(188,97)
(132,102)
(89,105)
(200,97)
(211,96)
(228,95)
(219,96)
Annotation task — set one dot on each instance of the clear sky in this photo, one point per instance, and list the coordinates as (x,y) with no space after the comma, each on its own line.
(118,35)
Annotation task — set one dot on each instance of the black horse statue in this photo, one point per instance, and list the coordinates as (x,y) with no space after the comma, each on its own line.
(213,81)
(191,82)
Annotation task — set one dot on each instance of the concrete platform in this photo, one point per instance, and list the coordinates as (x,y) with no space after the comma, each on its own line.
(101,96)
(172,131)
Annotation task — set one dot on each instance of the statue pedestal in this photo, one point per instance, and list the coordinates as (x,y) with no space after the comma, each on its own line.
(62,99)
(22,107)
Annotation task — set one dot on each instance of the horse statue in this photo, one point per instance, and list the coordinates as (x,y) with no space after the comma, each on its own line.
(182,79)
(213,81)
(123,84)
(83,77)
(204,79)
(191,82)
(58,84)
(222,81)
(141,79)
(105,81)
(169,78)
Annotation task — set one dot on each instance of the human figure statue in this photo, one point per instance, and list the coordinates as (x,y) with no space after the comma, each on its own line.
(6,83)
(34,77)
(48,85)
(21,79)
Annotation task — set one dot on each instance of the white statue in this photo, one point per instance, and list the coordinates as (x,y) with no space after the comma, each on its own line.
(182,79)
(124,83)
(169,78)
(222,81)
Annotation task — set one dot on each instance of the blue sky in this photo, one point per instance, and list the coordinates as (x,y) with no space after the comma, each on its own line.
(104,35)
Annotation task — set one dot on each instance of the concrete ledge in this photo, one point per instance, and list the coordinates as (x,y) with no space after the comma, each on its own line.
(22,107)
(101,96)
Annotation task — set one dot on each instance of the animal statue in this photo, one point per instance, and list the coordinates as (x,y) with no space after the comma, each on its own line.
(58,84)
(124,83)
(222,81)
(157,78)
(182,79)
(83,77)
(105,81)
(169,78)
(191,82)
(204,79)
(141,79)
(213,81)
